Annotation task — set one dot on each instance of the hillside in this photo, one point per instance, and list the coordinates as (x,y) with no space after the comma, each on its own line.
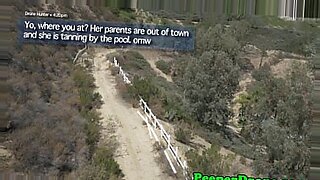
(239,103)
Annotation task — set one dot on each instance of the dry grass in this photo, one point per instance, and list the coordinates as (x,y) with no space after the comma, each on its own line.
(164,164)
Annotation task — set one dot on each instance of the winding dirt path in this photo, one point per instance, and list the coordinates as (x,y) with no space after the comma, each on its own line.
(135,153)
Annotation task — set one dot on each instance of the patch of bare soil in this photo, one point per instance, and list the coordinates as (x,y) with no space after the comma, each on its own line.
(245,80)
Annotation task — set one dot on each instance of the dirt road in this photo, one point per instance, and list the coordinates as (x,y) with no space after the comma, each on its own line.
(135,153)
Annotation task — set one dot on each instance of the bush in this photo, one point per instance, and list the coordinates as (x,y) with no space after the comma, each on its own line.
(174,109)
(82,79)
(102,166)
(89,100)
(134,63)
(203,163)
(56,133)
(48,115)
(93,135)
(143,87)
(245,64)
(165,21)
(104,159)
(183,135)
(127,16)
(164,66)
(280,39)
(86,98)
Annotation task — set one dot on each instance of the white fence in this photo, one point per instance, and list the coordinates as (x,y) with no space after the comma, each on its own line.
(79,52)
(121,72)
(165,136)
(154,124)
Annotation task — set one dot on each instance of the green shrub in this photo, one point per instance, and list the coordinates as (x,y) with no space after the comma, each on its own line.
(134,55)
(245,64)
(165,21)
(143,87)
(86,98)
(82,79)
(183,135)
(164,66)
(127,16)
(88,101)
(102,166)
(93,135)
(134,63)
(104,158)
(173,106)
(203,162)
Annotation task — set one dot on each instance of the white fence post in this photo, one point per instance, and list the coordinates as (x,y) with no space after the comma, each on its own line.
(116,64)
(171,165)
(146,121)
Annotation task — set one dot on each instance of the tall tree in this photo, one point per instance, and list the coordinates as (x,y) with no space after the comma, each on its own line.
(209,83)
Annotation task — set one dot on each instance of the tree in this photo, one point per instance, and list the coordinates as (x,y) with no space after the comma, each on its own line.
(218,39)
(277,116)
(209,84)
